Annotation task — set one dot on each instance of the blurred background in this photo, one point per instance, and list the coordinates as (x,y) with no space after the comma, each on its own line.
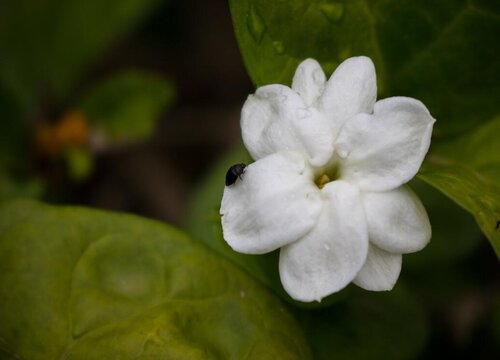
(173,65)
(131,105)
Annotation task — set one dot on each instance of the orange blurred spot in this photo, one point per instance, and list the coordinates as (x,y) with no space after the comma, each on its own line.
(71,131)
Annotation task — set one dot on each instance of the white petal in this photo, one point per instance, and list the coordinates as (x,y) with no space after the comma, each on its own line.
(277,119)
(309,81)
(385,150)
(273,204)
(352,89)
(265,120)
(397,221)
(314,133)
(380,271)
(327,258)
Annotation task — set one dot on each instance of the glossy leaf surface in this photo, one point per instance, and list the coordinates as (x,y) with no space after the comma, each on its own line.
(86,284)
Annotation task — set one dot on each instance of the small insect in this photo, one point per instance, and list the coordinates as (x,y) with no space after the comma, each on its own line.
(234,173)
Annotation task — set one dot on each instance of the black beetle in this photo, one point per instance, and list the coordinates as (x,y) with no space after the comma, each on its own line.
(234,173)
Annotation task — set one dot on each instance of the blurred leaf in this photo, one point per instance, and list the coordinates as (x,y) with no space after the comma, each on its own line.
(11,188)
(368,325)
(48,45)
(127,105)
(467,170)
(444,53)
(80,283)
(454,231)
(80,163)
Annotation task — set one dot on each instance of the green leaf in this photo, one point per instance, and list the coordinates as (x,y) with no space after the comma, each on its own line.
(368,325)
(12,188)
(455,233)
(80,283)
(48,45)
(79,163)
(126,106)
(467,170)
(442,53)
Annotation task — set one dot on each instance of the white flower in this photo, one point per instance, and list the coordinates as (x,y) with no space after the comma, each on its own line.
(327,186)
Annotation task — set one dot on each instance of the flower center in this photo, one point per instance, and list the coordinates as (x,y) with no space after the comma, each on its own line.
(322,181)
(326,175)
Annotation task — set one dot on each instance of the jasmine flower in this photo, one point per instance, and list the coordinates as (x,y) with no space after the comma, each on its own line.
(328,182)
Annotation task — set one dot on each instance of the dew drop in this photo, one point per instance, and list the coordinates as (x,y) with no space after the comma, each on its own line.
(343,153)
(279,47)
(255,25)
(332,11)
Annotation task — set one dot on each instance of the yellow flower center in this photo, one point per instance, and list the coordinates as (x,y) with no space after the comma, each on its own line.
(322,181)
(327,174)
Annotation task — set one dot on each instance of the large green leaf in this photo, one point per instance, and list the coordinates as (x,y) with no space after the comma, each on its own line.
(48,45)
(127,105)
(467,170)
(443,53)
(80,283)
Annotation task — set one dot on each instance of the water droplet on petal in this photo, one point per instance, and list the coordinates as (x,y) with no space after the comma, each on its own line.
(279,47)
(255,25)
(343,153)
(332,11)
